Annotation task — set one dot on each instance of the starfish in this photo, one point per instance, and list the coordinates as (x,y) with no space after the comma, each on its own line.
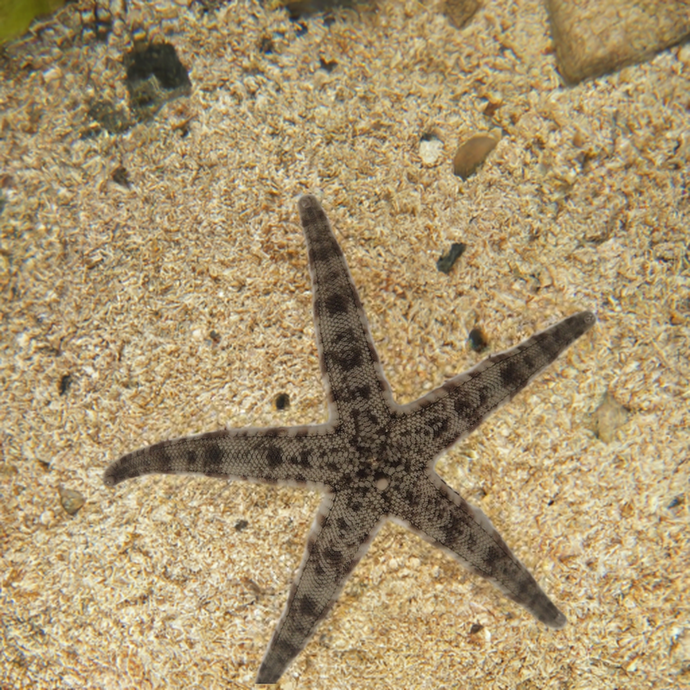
(373,459)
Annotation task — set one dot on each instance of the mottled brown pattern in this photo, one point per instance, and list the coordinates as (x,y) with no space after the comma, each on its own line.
(374,459)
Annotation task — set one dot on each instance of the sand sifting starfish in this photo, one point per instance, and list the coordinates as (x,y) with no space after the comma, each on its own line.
(374,459)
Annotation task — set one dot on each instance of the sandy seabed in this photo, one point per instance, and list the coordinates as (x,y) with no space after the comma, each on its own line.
(181,304)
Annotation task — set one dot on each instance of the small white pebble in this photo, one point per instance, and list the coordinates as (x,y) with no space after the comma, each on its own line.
(430,150)
(52,74)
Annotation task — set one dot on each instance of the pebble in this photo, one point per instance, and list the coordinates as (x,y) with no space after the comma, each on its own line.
(609,417)
(430,148)
(459,12)
(70,499)
(477,340)
(472,153)
(595,37)
(447,261)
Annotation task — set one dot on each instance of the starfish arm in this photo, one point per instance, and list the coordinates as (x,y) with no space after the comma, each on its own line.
(461,404)
(341,534)
(441,516)
(307,455)
(356,388)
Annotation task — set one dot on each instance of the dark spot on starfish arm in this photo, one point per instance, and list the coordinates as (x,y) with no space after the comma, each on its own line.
(491,559)
(527,362)
(464,408)
(319,254)
(362,392)
(470,541)
(510,373)
(307,606)
(333,556)
(349,358)
(439,427)
(213,457)
(336,303)
(274,456)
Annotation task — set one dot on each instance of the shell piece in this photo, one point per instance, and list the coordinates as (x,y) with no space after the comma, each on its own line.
(608,417)
(430,148)
(472,153)
(70,499)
